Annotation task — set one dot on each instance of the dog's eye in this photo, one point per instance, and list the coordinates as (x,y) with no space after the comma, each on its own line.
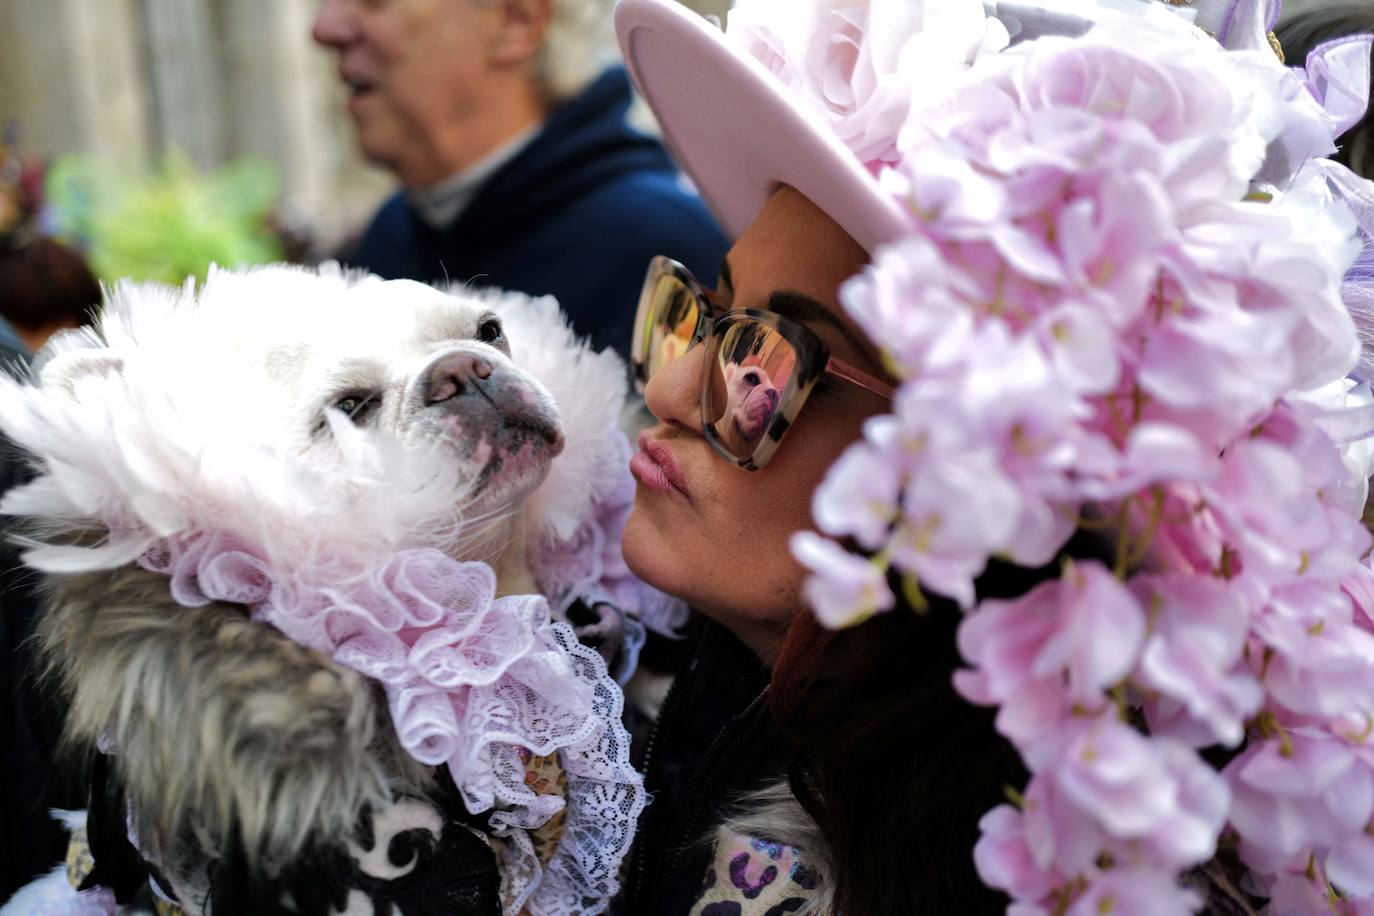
(489,332)
(752,378)
(355,406)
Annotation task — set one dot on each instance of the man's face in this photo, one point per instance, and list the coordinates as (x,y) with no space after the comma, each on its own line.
(413,69)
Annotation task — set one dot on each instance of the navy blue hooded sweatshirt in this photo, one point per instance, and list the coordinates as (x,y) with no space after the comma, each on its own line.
(577,214)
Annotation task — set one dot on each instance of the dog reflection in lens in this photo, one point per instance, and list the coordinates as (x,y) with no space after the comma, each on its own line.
(752,399)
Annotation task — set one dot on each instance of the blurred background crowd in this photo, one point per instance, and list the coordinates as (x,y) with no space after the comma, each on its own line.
(154,137)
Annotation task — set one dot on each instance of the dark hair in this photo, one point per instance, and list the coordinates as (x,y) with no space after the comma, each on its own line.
(45,283)
(1299,34)
(893,765)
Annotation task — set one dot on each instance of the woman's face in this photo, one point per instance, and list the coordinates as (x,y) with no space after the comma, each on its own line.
(720,540)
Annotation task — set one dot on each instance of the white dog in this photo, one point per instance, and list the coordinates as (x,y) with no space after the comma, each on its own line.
(301,528)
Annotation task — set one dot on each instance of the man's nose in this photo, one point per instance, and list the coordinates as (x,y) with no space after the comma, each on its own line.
(334,24)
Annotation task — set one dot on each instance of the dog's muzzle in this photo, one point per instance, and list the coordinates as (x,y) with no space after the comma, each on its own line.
(482,394)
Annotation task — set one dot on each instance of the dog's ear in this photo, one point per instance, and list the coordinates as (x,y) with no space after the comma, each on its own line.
(64,369)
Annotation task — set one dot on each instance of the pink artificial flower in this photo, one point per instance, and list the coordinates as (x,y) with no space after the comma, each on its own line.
(1099,635)
(1304,791)
(1154,452)
(1134,892)
(1194,658)
(1004,858)
(923,323)
(1273,516)
(1149,796)
(1359,588)
(1085,628)
(859,496)
(1295,894)
(1062,836)
(1320,663)
(844,589)
(1082,347)
(1350,865)
(957,510)
(1112,771)
(948,195)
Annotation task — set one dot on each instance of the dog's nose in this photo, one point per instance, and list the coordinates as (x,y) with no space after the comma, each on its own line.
(453,376)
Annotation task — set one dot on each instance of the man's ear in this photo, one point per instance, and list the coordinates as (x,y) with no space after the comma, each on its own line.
(64,369)
(521,27)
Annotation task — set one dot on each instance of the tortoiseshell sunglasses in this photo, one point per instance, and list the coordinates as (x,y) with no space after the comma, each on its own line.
(761,367)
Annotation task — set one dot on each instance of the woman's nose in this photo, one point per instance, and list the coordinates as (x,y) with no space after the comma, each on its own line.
(673,394)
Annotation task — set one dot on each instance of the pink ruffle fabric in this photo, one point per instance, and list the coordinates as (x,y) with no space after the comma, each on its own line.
(472,682)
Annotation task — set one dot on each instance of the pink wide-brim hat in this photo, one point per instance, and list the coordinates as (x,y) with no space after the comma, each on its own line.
(737,133)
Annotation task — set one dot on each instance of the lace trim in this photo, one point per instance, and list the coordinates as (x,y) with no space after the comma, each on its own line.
(470,680)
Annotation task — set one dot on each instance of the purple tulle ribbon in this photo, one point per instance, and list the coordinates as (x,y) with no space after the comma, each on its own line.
(1337,74)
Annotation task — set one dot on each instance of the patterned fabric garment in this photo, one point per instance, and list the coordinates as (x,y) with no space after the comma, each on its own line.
(408,862)
(755,877)
(413,858)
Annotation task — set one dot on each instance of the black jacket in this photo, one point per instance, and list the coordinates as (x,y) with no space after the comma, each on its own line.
(30,840)
(714,742)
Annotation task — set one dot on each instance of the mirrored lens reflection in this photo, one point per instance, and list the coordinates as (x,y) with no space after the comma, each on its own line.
(751,373)
(675,322)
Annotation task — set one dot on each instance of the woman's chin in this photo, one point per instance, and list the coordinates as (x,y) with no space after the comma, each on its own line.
(651,556)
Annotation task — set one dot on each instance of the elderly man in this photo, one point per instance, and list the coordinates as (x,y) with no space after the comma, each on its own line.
(517,165)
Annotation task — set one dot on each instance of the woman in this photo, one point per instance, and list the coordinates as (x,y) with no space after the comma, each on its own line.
(717,536)
(798,769)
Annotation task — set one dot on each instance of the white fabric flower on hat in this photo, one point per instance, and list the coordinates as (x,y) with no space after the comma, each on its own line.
(861,65)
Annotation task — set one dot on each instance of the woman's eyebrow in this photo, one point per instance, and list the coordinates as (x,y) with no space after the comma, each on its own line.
(801,308)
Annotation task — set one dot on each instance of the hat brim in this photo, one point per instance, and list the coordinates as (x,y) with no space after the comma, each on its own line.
(737,133)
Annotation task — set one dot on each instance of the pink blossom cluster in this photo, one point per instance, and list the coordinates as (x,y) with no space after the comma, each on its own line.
(1103,325)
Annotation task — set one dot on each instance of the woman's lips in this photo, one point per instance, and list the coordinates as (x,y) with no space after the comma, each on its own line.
(656,467)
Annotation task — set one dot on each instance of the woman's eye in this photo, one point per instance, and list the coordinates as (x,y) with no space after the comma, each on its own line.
(490,332)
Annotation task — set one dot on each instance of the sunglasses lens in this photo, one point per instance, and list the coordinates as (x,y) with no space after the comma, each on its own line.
(671,323)
(751,375)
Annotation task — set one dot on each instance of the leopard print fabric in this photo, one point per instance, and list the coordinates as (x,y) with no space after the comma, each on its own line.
(755,877)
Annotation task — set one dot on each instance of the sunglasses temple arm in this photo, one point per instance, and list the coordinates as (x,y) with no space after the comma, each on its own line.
(843,370)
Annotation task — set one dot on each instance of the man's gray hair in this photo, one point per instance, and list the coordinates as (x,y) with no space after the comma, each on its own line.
(580,43)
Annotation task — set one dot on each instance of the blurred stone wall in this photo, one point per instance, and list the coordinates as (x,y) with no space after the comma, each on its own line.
(71,72)
(217,79)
